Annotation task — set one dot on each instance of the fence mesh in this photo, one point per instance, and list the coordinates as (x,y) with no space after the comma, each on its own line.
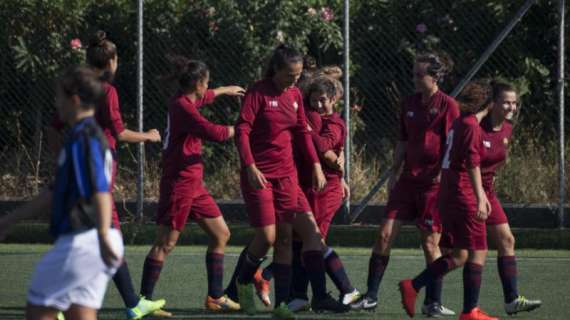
(235,37)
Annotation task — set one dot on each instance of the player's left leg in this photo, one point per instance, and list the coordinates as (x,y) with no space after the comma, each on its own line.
(34,312)
(503,238)
(219,234)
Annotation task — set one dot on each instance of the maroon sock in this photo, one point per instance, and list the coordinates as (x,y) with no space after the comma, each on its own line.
(282,277)
(508,273)
(215,270)
(471,285)
(376,268)
(337,273)
(315,267)
(435,270)
(151,273)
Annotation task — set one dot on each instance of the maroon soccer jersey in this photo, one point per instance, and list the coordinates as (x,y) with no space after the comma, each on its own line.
(268,121)
(464,151)
(108,115)
(424,128)
(186,127)
(495,144)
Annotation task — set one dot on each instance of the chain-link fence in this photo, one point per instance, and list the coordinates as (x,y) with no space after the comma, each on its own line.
(235,37)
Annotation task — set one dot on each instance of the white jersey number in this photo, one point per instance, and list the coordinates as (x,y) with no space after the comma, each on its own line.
(448,144)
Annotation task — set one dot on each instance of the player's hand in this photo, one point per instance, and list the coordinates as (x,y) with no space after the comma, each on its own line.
(319,180)
(232,132)
(110,258)
(340,161)
(153,135)
(235,91)
(345,189)
(256,178)
(483,208)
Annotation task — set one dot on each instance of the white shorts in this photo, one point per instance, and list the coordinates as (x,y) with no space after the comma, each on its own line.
(73,272)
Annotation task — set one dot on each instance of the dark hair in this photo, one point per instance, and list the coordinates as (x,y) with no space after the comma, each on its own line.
(498,87)
(475,97)
(438,66)
(100,50)
(187,72)
(322,85)
(282,56)
(83,82)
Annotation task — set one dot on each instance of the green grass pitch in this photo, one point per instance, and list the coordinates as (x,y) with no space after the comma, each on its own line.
(542,274)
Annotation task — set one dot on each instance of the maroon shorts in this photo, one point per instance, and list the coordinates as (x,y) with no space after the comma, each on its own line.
(498,215)
(325,204)
(281,199)
(184,198)
(462,229)
(410,201)
(115,214)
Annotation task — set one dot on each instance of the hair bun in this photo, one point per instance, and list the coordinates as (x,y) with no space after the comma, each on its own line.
(98,38)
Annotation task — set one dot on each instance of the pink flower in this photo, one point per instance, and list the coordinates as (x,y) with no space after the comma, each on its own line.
(356,108)
(421,28)
(75,44)
(213,26)
(327,14)
(210,12)
(312,11)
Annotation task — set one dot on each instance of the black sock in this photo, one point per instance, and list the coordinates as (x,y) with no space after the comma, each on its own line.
(471,285)
(376,268)
(124,284)
(300,282)
(248,268)
(267,273)
(437,269)
(315,267)
(337,273)
(433,291)
(231,289)
(282,276)
(508,272)
(215,270)
(151,273)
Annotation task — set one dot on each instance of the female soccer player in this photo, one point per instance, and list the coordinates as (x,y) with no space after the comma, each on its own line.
(182,190)
(425,120)
(496,134)
(328,133)
(464,207)
(102,57)
(271,115)
(72,277)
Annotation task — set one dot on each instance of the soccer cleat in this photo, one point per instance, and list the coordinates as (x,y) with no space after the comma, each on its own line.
(350,298)
(262,288)
(436,310)
(409,295)
(476,314)
(245,297)
(365,303)
(160,313)
(521,304)
(60,316)
(283,312)
(328,303)
(298,304)
(144,307)
(222,304)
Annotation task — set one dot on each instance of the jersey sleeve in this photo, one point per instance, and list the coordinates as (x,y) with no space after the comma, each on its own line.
(473,145)
(250,107)
(113,112)
(92,167)
(328,138)
(301,129)
(208,98)
(201,127)
(451,114)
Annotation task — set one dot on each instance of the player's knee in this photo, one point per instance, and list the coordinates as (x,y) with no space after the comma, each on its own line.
(266,240)
(507,242)
(384,240)
(430,247)
(167,247)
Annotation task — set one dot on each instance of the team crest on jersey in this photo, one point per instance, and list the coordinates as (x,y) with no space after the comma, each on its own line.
(273,104)
(410,114)
(295,105)
(505,141)
(487,144)
(61,158)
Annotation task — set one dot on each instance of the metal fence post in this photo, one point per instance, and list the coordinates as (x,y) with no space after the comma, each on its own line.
(140,149)
(561,59)
(347,144)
